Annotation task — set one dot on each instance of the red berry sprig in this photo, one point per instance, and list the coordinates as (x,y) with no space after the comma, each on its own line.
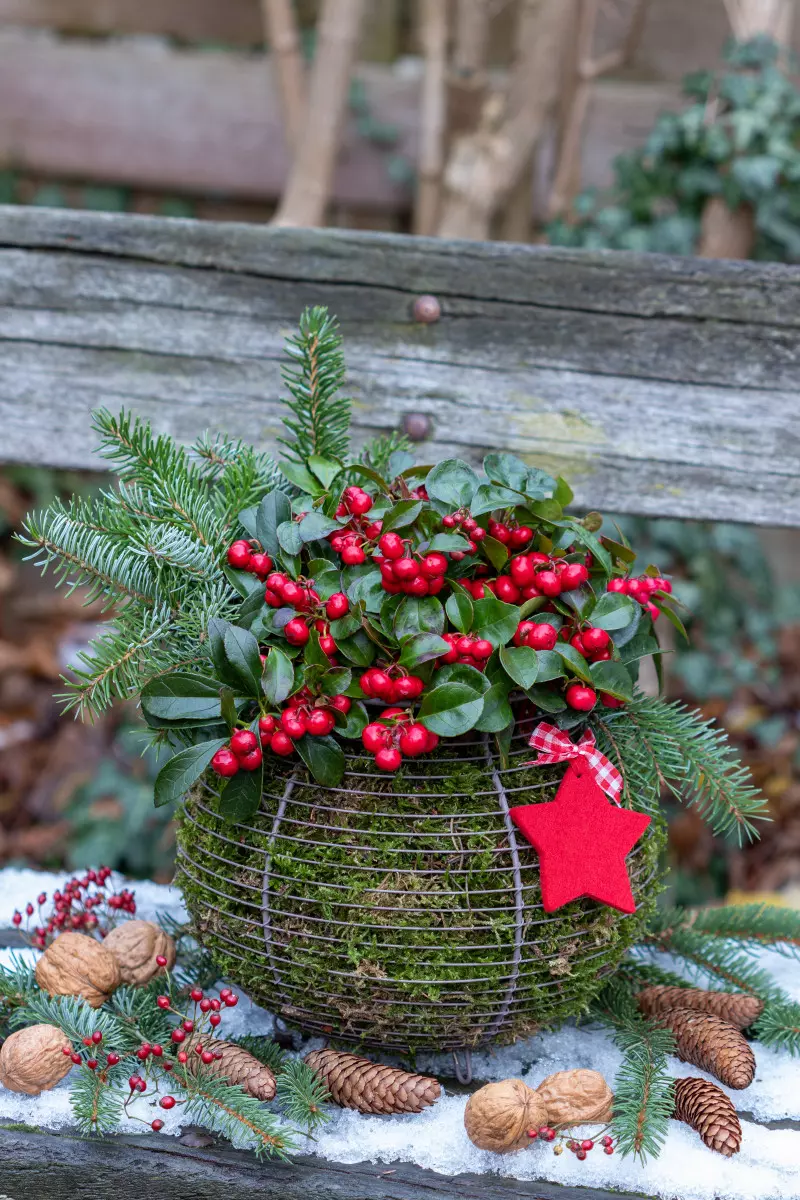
(641,589)
(391,684)
(244,556)
(396,734)
(84,904)
(466,648)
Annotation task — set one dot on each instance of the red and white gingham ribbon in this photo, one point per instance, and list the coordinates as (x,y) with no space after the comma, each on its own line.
(554,746)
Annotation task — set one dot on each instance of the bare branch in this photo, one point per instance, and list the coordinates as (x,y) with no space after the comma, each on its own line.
(283,37)
(433,40)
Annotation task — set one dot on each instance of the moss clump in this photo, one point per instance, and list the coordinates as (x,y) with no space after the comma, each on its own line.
(384,910)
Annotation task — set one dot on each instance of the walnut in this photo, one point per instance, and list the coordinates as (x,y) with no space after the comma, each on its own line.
(135,945)
(578,1097)
(77,965)
(32,1060)
(499,1115)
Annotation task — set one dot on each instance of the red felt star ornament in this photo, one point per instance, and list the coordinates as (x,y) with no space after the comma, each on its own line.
(582,841)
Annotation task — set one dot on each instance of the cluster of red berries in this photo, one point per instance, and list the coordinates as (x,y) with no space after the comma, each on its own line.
(349,541)
(395,735)
(82,904)
(537,574)
(579,1148)
(510,533)
(402,572)
(466,648)
(642,589)
(244,556)
(463,520)
(92,1042)
(242,753)
(301,595)
(302,714)
(537,635)
(390,684)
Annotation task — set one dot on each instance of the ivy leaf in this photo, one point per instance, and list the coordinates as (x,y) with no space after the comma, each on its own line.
(451,709)
(404,513)
(242,652)
(352,723)
(521,663)
(277,678)
(324,469)
(612,677)
(335,681)
(574,660)
(242,796)
(453,482)
(290,538)
(497,713)
(421,647)
(418,614)
(613,611)
(315,525)
(273,510)
(495,621)
(324,758)
(183,769)
(459,610)
(179,697)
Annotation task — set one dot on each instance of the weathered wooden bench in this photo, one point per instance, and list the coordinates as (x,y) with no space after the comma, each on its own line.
(658,386)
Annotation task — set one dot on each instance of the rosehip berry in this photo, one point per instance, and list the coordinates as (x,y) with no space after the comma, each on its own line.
(352,555)
(506,590)
(133,1082)
(281,743)
(266,726)
(29,909)
(405,569)
(17,918)
(388,759)
(546,1134)
(521,536)
(42,898)
(76,1058)
(573,575)
(239,555)
(581,697)
(433,565)
(214,1020)
(533,1133)
(196,995)
(157,1125)
(157,1050)
(260,565)
(549,583)
(588,1144)
(230,1000)
(337,606)
(608,1141)
(581,1154)
(167,1102)
(320,722)
(595,639)
(207,1057)
(608,1149)
(182,1056)
(414,740)
(296,632)
(188,1026)
(243,741)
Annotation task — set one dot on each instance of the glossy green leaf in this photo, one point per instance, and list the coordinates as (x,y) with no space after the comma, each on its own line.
(242,652)
(183,769)
(345,626)
(179,697)
(367,589)
(576,662)
(551,666)
(418,614)
(497,713)
(277,678)
(490,496)
(324,758)
(421,647)
(316,525)
(301,477)
(496,621)
(546,700)
(464,673)
(290,538)
(352,723)
(335,681)
(273,510)
(495,552)
(358,649)
(402,514)
(521,663)
(612,677)
(227,705)
(242,796)
(613,611)
(453,482)
(450,709)
(459,610)
(324,469)
(448,542)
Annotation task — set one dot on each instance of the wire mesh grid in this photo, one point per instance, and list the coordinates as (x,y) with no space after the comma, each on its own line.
(400,912)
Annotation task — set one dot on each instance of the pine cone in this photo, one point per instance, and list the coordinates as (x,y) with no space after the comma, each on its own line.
(370,1087)
(736,1008)
(711,1044)
(237,1066)
(707,1109)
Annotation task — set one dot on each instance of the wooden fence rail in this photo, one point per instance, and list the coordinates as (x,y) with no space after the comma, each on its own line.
(656,385)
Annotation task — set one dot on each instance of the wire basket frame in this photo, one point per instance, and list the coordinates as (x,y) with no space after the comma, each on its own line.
(402,912)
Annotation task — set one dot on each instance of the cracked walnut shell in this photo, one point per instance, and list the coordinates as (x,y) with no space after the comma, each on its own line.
(136,945)
(32,1060)
(77,965)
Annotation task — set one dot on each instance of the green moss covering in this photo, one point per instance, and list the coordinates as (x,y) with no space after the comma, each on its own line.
(394,922)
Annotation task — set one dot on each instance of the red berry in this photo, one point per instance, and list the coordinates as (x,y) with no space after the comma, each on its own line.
(392,545)
(239,555)
(76,1058)
(408,687)
(581,1154)
(595,639)
(157,1050)
(414,740)
(225,762)
(17,918)
(617,585)
(500,532)
(506,590)
(157,1125)
(375,737)
(207,1057)
(188,1026)
(523,570)
(327,644)
(161,960)
(320,722)
(543,636)
(230,1000)
(337,606)
(134,1082)
(588,1144)
(520,537)
(214,1020)
(433,565)
(167,1102)
(266,727)
(533,1133)
(352,555)
(418,586)
(482,648)
(281,743)
(112,1059)
(29,909)
(581,697)
(577,643)
(342,704)
(292,593)
(478,534)
(405,569)
(162,1001)
(296,632)
(388,759)
(243,741)
(251,761)
(573,575)
(182,1056)
(358,501)
(610,701)
(382,686)
(549,583)
(608,1149)
(546,1134)
(178,1036)
(450,521)
(97,1037)
(42,898)
(260,565)
(608,1141)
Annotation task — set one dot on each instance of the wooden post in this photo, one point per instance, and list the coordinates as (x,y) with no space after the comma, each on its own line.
(433,40)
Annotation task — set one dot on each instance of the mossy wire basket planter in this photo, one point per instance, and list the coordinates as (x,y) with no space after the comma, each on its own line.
(403,912)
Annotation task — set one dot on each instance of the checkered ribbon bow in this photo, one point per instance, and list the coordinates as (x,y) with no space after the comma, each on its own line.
(554,747)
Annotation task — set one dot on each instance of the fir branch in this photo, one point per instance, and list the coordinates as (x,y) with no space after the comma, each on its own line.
(194,967)
(17,986)
(670,931)
(378,452)
(302,1095)
(76,1019)
(240,475)
(232,1112)
(97,1099)
(320,420)
(697,763)
(757,924)
(779,1026)
(136,1009)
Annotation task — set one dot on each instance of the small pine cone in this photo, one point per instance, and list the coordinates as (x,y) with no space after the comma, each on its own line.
(370,1087)
(237,1066)
(707,1109)
(711,1044)
(736,1008)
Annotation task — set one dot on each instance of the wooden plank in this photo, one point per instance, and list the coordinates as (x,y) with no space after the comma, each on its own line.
(657,385)
(37,1166)
(194,123)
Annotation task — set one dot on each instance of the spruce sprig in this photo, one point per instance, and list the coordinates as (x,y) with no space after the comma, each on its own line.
(753,924)
(320,420)
(229,1110)
(76,1019)
(779,1026)
(302,1095)
(670,931)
